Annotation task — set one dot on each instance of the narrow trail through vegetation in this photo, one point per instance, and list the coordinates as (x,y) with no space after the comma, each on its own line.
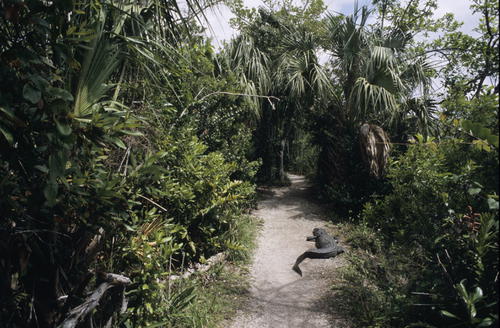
(279,297)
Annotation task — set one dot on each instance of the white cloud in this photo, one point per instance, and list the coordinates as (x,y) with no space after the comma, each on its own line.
(344,6)
(219,29)
(462,12)
(218,17)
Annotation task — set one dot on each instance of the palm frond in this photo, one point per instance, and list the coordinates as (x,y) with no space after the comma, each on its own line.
(369,99)
(298,71)
(396,39)
(418,72)
(382,69)
(348,38)
(381,58)
(100,61)
(245,58)
(375,147)
(421,114)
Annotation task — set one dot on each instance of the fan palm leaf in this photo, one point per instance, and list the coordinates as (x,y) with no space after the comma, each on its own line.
(421,114)
(100,61)
(348,38)
(368,101)
(417,73)
(375,73)
(299,72)
(246,59)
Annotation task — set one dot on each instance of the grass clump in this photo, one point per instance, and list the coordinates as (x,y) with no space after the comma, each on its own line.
(209,299)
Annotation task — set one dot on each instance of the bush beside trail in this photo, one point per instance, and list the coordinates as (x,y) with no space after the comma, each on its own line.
(104,167)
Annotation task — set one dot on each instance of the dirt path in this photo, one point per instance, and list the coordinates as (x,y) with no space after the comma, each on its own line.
(279,297)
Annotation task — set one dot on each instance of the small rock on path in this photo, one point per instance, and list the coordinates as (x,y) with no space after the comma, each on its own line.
(279,297)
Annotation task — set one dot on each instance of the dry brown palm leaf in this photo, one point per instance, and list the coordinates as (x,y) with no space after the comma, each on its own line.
(375,148)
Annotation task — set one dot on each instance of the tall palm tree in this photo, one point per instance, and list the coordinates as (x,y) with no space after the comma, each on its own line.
(380,84)
(377,72)
(288,70)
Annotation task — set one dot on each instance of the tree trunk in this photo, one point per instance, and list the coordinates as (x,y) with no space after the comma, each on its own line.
(281,161)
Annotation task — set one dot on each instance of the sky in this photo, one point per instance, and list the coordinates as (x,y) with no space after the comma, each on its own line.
(218,18)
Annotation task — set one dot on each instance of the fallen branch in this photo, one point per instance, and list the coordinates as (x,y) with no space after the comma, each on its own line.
(79,312)
(198,267)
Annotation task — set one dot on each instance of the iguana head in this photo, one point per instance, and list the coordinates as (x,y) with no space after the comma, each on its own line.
(319,232)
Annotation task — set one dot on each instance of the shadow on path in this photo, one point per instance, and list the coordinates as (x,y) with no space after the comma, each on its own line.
(279,297)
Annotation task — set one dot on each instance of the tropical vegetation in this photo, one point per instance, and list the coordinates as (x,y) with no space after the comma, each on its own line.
(130,149)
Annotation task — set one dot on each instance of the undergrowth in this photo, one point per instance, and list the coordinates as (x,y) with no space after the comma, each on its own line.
(209,299)
(426,254)
(375,284)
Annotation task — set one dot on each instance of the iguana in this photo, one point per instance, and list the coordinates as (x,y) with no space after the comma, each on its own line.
(326,247)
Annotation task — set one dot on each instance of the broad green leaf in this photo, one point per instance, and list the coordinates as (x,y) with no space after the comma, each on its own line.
(448,314)
(132,133)
(83,120)
(63,129)
(480,131)
(39,82)
(7,135)
(7,112)
(129,228)
(467,125)
(492,204)
(486,322)
(11,117)
(472,310)
(481,145)
(158,324)
(120,143)
(192,246)
(31,94)
(474,191)
(59,93)
(478,294)
(461,289)
(492,139)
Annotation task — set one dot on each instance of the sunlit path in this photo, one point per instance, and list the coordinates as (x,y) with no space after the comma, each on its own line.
(279,296)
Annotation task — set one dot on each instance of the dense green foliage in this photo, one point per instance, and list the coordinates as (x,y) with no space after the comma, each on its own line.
(425,247)
(109,166)
(276,54)
(430,240)
(129,146)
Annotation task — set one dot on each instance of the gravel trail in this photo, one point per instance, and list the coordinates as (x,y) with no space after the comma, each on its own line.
(279,297)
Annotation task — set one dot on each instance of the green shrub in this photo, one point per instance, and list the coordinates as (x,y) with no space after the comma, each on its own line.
(377,282)
(435,229)
(89,185)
